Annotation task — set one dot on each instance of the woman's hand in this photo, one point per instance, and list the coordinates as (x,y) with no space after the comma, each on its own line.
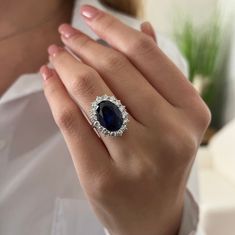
(135,183)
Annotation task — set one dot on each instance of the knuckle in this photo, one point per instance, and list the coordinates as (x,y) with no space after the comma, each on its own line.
(66,117)
(201,112)
(205,116)
(190,144)
(181,144)
(141,44)
(83,83)
(186,146)
(113,61)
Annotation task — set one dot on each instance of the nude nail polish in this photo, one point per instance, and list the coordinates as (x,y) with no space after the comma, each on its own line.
(89,12)
(53,50)
(67,31)
(46,72)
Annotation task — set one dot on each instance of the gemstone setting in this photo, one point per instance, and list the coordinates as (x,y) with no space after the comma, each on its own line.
(108,116)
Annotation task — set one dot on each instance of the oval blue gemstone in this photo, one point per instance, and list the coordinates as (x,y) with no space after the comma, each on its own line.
(109,116)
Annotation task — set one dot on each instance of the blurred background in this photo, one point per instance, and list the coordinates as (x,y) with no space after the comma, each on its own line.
(204,31)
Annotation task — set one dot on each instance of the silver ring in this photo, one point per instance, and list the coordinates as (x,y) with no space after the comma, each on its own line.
(108,116)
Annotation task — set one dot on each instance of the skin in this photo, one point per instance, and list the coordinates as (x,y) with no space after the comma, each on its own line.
(135,183)
(26,44)
(17,51)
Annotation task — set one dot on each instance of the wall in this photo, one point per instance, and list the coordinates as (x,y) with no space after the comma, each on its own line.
(163,14)
(228,7)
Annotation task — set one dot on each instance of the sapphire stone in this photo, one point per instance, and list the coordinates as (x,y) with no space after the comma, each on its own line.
(109,116)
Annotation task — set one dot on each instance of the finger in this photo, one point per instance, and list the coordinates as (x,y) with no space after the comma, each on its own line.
(84,84)
(144,54)
(147,28)
(89,157)
(118,73)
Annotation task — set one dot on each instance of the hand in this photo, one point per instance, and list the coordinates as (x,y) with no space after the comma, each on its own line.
(135,183)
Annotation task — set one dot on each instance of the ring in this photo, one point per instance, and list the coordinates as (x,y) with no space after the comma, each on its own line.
(108,116)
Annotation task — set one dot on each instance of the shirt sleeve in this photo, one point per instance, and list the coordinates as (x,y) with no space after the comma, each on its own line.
(190,217)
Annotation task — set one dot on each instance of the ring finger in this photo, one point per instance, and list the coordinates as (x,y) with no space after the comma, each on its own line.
(84,84)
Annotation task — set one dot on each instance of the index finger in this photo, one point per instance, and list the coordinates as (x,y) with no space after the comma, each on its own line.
(143,52)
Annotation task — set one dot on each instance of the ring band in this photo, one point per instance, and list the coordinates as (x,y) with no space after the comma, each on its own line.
(108,116)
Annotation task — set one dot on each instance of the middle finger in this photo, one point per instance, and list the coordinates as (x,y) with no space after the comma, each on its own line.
(118,73)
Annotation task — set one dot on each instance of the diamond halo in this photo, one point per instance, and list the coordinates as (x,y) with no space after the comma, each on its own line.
(94,119)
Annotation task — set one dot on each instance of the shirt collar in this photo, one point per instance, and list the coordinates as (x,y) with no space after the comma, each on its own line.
(31,83)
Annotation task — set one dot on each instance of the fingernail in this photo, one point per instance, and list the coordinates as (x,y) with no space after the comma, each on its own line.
(89,12)
(53,50)
(147,25)
(67,31)
(46,72)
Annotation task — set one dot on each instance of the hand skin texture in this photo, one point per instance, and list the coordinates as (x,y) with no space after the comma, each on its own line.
(134,183)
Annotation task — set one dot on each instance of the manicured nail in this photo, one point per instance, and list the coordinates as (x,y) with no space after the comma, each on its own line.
(67,31)
(53,50)
(89,12)
(46,72)
(146,27)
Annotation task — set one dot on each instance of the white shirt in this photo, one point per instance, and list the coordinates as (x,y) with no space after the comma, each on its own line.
(39,189)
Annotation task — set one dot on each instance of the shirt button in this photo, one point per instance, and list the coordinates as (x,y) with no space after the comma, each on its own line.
(2,144)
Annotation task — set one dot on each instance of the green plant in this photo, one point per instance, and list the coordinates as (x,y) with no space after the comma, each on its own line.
(200,45)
